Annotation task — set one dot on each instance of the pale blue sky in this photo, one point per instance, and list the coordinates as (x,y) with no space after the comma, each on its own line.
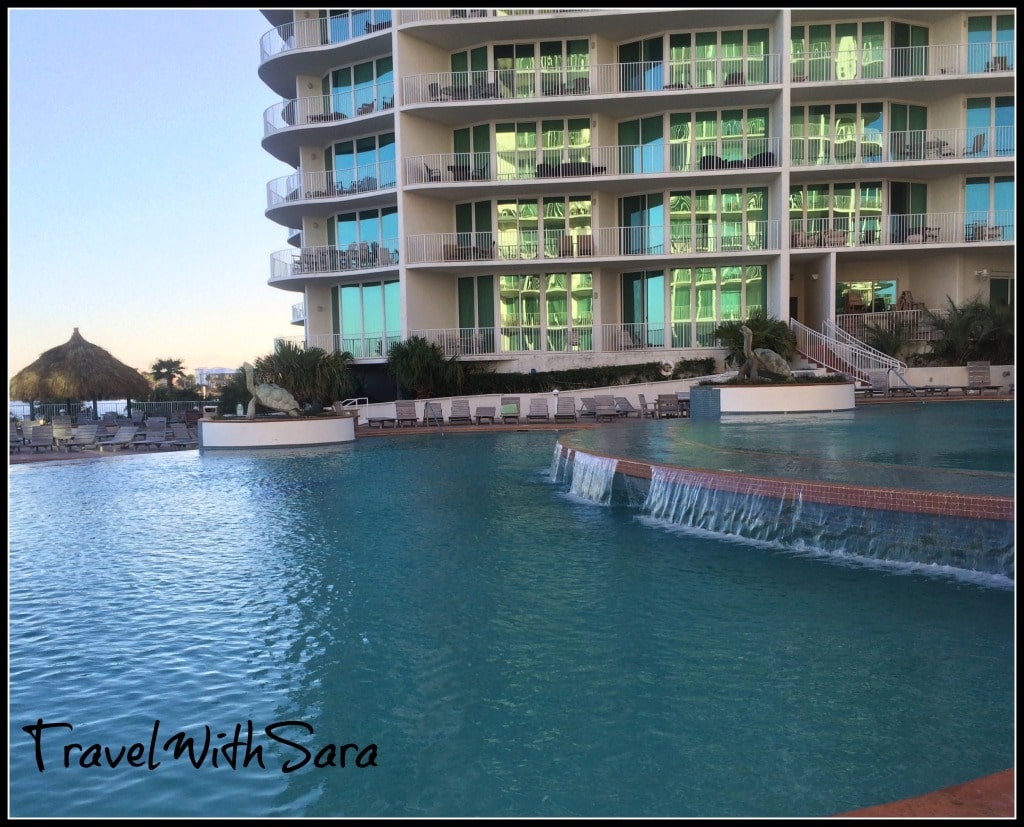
(137,187)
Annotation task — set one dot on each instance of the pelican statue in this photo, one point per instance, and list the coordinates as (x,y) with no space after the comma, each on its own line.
(269,395)
(762,359)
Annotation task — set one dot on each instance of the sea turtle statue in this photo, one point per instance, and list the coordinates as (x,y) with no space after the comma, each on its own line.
(762,359)
(269,395)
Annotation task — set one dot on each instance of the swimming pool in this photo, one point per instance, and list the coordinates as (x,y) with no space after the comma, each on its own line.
(509,648)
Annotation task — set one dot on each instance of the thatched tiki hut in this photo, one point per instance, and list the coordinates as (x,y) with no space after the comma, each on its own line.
(78,370)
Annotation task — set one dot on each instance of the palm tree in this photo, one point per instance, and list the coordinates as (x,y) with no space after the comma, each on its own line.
(768,332)
(975,330)
(420,366)
(167,370)
(892,342)
(312,375)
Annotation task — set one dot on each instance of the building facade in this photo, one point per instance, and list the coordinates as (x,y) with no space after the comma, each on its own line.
(548,189)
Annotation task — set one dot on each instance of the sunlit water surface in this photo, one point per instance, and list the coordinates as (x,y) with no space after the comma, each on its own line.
(500,646)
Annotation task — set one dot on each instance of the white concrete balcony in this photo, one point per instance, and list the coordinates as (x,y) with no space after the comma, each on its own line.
(825,147)
(648,161)
(871,230)
(608,79)
(290,198)
(291,268)
(317,32)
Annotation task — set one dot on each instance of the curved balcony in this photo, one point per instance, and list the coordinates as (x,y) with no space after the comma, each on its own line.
(290,269)
(319,194)
(309,46)
(321,119)
(655,243)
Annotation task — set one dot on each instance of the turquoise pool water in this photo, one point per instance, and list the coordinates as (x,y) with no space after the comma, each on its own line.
(495,645)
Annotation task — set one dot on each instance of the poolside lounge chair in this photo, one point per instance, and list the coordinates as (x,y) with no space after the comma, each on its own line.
(604,408)
(85,437)
(646,408)
(405,412)
(155,435)
(588,407)
(979,379)
(124,437)
(539,411)
(877,384)
(433,413)
(384,421)
(62,431)
(485,413)
(42,438)
(460,414)
(182,436)
(565,409)
(510,409)
(625,408)
(667,406)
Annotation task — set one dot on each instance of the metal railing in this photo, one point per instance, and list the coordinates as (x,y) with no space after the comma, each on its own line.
(606,242)
(912,325)
(334,184)
(915,228)
(651,160)
(594,79)
(337,106)
(833,348)
(826,65)
(322,259)
(827,147)
(323,31)
(431,15)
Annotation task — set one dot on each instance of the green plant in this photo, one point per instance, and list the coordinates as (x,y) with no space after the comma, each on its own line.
(767,332)
(420,366)
(974,330)
(892,342)
(312,375)
(167,370)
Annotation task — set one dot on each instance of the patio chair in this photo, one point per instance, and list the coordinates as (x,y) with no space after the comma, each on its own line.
(42,438)
(979,379)
(539,411)
(484,413)
(877,384)
(16,441)
(182,436)
(62,431)
(646,408)
(510,409)
(155,435)
(124,437)
(433,414)
(85,437)
(405,412)
(604,408)
(625,408)
(460,414)
(588,408)
(977,146)
(565,409)
(432,174)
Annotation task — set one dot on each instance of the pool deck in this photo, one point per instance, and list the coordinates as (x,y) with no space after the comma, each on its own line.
(992,796)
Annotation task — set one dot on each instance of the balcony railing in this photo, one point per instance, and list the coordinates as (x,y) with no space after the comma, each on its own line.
(877,63)
(915,228)
(596,79)
(650,160)
(318,185)
(429,15)
(323,31)
(606,242)
(326,259)
(298,312)
(825,148)
(338,106)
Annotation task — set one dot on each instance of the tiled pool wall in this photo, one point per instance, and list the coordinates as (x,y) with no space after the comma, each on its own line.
(971,532)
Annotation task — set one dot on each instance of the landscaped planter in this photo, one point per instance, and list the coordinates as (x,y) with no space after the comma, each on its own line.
(276,432)
(711,401)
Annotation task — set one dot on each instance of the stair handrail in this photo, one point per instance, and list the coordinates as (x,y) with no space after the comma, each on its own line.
(835,349)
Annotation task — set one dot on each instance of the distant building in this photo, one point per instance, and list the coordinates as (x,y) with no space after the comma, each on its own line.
(214,379)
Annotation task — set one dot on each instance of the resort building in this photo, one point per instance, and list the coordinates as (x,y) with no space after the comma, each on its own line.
(550,189)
